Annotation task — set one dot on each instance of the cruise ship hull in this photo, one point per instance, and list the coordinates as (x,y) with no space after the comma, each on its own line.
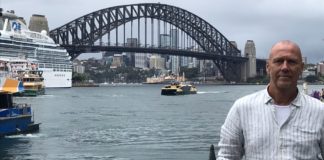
(57,79)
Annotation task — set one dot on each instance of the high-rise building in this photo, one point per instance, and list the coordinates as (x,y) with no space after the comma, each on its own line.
(250,53)
(141,60)
(320,68)
(174,38)
(38,23)
(175,60)
(184,61)
(165,42)
(304,59)
(175,68)
(157,62)
(131,42)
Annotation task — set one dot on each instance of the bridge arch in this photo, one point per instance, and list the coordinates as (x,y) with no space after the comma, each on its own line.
(88,29)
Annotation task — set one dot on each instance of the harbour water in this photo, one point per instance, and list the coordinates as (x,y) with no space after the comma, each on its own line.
(125,123)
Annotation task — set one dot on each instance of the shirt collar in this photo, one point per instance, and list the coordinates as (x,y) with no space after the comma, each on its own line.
(296,102)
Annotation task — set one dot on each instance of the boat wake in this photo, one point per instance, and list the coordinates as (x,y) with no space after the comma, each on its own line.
(36,97)
(212,92)
(35,135)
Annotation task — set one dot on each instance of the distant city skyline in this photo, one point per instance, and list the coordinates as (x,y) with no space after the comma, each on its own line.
(264,22)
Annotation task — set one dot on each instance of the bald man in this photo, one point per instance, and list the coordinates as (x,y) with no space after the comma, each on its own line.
(279,122)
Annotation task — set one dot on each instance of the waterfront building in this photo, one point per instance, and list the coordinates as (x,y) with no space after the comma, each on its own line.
(175,65)
(141,60)
(168,64)
(192,62)
(250,53)
(78,67)
(308,72)
(157,62)
(117,61)
(320,68)
(38,23)
(184,61)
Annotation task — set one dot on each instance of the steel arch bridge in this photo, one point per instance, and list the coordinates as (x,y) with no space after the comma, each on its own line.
(82,34)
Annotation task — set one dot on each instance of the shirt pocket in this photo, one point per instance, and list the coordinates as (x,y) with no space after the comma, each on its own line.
(303,139)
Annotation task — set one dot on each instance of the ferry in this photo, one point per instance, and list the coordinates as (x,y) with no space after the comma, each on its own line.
(26,71)
(16,40)
(14,118)
(177,88)
(33,83)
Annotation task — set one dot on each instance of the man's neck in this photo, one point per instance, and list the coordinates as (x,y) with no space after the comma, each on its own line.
(282,96)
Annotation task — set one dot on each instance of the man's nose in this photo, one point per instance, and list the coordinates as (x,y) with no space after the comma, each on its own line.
(284,66)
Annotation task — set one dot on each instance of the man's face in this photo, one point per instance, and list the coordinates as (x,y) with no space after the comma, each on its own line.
(284,66)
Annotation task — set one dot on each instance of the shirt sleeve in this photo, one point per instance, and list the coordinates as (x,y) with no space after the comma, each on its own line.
(322,143)
(231,144)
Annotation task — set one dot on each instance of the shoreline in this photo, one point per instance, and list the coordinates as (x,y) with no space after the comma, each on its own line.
(199,83)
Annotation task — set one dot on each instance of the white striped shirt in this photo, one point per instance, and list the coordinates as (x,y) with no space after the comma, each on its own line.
(251,131)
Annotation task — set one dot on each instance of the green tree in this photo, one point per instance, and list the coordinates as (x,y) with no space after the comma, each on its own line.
(78,77)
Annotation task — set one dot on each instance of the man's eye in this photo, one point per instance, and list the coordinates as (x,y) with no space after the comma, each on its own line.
(292,62)
(278,61)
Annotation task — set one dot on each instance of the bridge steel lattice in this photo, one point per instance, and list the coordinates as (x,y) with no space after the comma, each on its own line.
(81,35)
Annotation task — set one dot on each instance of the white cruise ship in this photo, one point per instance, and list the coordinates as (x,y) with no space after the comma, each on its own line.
(17,40)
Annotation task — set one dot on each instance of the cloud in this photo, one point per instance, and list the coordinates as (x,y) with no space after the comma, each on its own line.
(263,21)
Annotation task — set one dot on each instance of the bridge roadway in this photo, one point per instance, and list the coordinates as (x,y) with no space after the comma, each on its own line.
(75,50)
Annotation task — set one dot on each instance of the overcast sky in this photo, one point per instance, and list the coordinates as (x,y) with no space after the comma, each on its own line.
(263,21)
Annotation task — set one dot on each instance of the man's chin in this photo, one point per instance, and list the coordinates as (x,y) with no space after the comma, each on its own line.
(284,85)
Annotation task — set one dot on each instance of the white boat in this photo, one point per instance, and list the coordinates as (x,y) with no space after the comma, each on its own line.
(17,40)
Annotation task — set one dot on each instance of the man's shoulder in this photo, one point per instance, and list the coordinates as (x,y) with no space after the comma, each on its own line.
(253,98)
(311,101)
(259,95)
